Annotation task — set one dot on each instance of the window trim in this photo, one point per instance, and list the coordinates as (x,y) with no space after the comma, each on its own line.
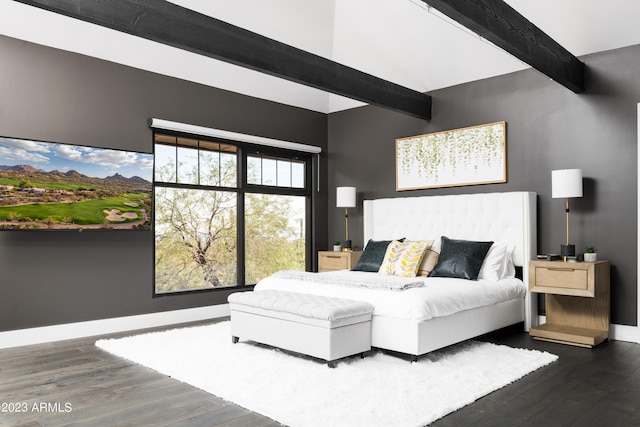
(195,130)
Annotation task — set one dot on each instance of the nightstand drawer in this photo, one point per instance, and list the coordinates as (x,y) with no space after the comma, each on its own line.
(334,262)
(561,277)
(567,278)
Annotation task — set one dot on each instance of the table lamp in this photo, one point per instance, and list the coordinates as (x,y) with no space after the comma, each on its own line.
(346,198)
(566,183)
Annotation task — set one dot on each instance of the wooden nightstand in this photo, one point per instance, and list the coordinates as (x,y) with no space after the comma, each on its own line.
(332,261)
(577,301)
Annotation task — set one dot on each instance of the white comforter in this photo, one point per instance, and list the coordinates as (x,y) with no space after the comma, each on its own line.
(439,296)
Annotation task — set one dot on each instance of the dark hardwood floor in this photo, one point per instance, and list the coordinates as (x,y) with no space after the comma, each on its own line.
(73,383)
(597,387)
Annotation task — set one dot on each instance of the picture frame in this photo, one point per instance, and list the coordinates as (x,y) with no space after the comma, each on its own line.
(467,156)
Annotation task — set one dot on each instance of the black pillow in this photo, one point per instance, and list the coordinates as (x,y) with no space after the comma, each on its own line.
(460,258)
(372,257)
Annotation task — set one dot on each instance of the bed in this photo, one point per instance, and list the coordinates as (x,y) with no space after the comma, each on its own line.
(456,309)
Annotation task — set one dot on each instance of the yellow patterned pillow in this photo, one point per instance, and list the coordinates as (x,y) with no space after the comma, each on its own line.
(403,258)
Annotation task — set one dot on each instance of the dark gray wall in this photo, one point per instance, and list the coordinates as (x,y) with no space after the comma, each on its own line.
(548,127)
(49,278)
(47,94)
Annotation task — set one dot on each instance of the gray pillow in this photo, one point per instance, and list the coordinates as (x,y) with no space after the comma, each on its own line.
(460,258)
(372,257)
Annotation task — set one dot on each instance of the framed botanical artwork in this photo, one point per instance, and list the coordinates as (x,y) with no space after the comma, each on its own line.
(467,156)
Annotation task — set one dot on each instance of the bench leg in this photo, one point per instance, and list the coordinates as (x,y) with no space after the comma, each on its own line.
(331,364)
(235,339)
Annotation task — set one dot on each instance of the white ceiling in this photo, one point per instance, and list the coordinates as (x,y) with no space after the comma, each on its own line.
(398,40)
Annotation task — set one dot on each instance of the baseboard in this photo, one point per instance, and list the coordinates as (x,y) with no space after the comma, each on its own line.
(68,331)
(616,332)
(624,333)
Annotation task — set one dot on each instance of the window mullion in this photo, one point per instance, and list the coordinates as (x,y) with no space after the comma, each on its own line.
(220,168)
(242,180)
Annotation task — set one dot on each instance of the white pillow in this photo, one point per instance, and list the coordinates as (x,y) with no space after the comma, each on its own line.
(510,267)
(437,245)
(498,263)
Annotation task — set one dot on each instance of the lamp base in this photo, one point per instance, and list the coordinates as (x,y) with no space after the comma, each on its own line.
(568,250)
(346,246)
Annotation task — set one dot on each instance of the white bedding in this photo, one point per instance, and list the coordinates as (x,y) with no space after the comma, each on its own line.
(438,297)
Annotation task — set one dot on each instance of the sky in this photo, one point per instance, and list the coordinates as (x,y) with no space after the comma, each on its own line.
(90,161)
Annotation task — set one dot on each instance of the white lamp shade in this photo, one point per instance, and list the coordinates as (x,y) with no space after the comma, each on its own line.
(566,183)
(346,197)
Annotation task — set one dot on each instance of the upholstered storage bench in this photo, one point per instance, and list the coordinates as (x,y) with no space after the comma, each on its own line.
(323,327)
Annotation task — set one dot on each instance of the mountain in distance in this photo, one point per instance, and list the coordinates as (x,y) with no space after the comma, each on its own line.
(133,179)
(20,168)
(72,174)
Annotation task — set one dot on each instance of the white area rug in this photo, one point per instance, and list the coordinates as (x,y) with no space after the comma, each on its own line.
(379,390)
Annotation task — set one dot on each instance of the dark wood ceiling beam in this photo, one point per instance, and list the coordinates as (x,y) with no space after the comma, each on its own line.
(173,25)
(502,25)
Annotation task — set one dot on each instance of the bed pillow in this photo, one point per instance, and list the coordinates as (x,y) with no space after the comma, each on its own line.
(510,267)
(496,263)
(403,258)
(429,260)
(460,258)
(372,256)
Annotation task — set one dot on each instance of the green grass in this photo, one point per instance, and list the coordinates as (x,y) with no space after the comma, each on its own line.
(7,181)
(49,185)
(82,213)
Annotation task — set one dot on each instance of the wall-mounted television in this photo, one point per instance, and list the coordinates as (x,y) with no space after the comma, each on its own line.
(54,186)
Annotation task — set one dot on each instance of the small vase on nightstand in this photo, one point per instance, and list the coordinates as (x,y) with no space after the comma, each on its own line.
(590,254)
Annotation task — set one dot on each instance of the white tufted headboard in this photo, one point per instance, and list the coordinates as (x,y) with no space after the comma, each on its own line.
(485,216)
(490,216)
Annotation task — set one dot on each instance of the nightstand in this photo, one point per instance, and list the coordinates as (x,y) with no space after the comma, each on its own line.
(332,261)
(577,301)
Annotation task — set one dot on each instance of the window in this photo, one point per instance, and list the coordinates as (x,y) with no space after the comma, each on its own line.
(277,172)
(227,214)
(275,227)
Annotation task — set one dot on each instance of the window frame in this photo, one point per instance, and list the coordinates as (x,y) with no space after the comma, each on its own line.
(242,187)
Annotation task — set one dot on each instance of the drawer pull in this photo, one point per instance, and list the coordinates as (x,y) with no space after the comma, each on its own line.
(333,256)
(560,269)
